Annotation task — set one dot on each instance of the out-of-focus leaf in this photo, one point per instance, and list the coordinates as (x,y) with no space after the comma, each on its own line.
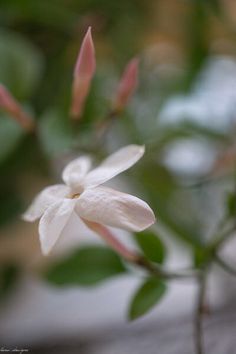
(20,64)
(151,245)
(200,256)
(86,266)
(42,12)
(11,135)
(231,204)
(161,190)
(56,133)
(8,277)
(197,46)
(216,6)
(146,297)
(10,207)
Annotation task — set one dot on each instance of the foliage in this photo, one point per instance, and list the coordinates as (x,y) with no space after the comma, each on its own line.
(147,296)
(151,245)
(86,266)
(8,277)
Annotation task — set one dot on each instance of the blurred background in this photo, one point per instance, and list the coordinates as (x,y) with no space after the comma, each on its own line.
(184,113)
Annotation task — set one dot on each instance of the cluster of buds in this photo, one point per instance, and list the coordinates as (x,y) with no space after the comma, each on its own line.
(83,75)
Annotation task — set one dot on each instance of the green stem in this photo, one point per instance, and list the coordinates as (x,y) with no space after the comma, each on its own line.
(158,271)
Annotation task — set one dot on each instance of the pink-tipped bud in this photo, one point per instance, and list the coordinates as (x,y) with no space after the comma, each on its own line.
(11,106)
(83,74)
(127,85)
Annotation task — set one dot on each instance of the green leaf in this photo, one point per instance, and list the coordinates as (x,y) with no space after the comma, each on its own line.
(11,135)
(56,133)
(147,296)
(231,204)
(11,205)
(20,64)
(151,245)
(8,277)
(86,266)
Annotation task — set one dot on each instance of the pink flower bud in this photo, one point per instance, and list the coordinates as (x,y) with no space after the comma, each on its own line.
(111,240)
(11,106)
(83,74)
(127,85)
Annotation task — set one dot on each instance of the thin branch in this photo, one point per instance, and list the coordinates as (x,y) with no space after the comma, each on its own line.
(222,238)
(158,271)
(199,312)
(225,265)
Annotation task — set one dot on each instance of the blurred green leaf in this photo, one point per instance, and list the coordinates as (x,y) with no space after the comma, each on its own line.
(11,135)
(197,26)
(200,256)
(10,207)
(147,296)
(56,133)
(8,277)
(216,6)
(20,64)
(231,204)
(165,197)
(151,245)
(86,266)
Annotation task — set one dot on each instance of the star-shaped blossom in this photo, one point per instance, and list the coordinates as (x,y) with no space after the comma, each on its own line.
(84,194)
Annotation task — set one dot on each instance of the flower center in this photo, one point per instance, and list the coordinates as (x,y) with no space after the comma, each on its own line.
(75,196)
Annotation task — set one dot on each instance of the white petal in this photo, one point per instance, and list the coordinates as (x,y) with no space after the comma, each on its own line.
(75,171)
(113,165)
(43,200)
(109,207)
(53,222)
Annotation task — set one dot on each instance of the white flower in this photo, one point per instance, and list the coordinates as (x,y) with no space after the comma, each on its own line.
(83,194)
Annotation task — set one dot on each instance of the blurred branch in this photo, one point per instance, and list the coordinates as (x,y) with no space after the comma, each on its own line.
(225,265)
(200,310)
(159,272)
(221,239)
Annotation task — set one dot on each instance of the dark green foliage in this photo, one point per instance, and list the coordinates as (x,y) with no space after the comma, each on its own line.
(20,65)
(146,297)
(231,204)
(85,267)
(8,277)
(151,245)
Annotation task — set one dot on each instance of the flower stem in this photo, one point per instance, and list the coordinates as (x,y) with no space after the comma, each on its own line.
(135,258)
(109,238)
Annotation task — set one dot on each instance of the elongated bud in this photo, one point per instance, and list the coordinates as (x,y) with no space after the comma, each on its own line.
(110,239)
(11,106)
(127,85)
(83,74)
